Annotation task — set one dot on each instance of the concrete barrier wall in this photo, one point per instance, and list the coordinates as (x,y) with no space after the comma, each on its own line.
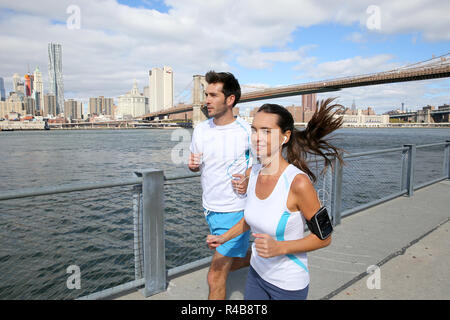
(21,125)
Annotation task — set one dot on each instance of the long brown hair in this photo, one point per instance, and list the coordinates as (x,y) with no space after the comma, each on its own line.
(309,141)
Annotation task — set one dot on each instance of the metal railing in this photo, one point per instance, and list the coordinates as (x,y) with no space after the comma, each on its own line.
(365,180)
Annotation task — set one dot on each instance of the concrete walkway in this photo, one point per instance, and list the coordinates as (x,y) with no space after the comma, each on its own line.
(407,238)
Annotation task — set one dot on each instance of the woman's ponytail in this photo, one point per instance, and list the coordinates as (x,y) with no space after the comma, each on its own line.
(310,141)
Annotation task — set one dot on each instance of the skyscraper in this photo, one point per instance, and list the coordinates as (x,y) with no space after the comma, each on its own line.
(29,79)
(55,75)
(168,87)
(161,88)
(38,91)
(2,90)
(309,102)
(49,105)
(18,84)
(101,105)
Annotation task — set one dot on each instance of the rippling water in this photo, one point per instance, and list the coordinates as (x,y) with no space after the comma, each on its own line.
(42,236)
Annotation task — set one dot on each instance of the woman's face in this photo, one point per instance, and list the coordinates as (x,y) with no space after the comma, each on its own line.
(266,134)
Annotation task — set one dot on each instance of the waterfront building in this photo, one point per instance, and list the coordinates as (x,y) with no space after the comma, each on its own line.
(101,105)
(14,103)
(3,110)
(49,105)
(73,109)
(309,102)
(29,106)
(361,119)
(55,75)
(38,91)
(132,104)
(297,112)
(161,88)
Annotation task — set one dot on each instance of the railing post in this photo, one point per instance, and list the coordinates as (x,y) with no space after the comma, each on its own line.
(336,192)
(409,157)
(153,232)
(447,159)
(137,230)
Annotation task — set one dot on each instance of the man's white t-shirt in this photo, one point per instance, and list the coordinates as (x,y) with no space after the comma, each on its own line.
(226,151)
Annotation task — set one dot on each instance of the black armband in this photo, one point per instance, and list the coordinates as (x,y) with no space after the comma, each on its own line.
(320,224)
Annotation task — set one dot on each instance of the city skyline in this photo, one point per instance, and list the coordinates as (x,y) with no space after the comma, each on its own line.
(264,45)
(86,108)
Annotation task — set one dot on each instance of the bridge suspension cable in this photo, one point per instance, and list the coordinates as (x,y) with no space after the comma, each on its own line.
(185,92)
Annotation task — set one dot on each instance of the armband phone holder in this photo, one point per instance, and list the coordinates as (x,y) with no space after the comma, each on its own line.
(320,224)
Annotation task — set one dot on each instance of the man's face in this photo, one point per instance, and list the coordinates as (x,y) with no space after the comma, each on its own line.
(215,100)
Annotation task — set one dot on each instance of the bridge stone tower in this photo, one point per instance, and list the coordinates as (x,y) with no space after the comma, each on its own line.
(199,112)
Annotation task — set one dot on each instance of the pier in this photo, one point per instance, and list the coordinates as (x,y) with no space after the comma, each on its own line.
(408,238)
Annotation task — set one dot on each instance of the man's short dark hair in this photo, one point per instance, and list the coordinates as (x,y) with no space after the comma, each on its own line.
(230,83)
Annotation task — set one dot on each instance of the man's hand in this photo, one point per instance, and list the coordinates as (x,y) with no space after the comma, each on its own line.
(195,160)
(240,183)
(266,246)
(214,241)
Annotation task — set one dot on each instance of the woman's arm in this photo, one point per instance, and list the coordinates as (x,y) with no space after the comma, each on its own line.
(214,241)
(307,203)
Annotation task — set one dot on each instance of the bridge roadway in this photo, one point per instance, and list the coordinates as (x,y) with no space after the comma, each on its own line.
(408,237)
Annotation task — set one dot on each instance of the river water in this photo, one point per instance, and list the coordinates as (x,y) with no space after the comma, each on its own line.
(43,236)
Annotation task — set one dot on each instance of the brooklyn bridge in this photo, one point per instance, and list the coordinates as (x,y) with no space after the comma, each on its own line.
(429,69)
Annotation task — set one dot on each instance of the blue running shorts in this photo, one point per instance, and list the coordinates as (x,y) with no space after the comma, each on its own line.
(221,222)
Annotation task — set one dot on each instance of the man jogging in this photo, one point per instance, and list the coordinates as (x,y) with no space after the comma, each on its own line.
(220,149)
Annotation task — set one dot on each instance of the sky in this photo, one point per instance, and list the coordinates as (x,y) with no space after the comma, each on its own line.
(106,44)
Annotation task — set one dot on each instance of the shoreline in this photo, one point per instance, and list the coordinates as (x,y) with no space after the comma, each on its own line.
(173,128)
(34,128)
(8,127)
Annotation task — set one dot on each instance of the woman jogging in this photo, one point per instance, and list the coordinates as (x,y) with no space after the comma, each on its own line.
(280,196)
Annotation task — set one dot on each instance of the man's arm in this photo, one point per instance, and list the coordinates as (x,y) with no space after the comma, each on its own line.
(195,157)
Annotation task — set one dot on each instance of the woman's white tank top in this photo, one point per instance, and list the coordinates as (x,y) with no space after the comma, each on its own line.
(271,216)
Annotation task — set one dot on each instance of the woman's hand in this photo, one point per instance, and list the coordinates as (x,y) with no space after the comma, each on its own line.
(266,246)
(240,183)
(214,241)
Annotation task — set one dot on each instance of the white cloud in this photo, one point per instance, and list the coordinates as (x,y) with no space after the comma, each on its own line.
(264,60)
(402,16)
(348,67)
(116,43)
